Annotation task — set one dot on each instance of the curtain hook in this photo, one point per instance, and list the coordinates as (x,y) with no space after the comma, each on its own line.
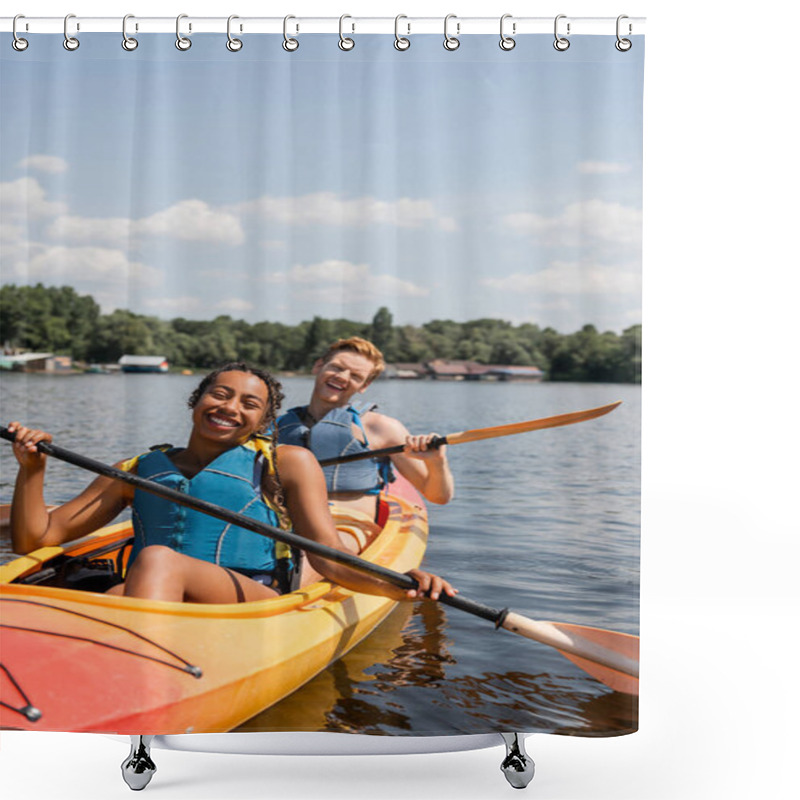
(233,44)
(70,42)
(345,43)
(128,42)
(451,42)
(400,42)
(623,45)
(507,42)
(289,44)
(181,42)
(561,43)
(18,43)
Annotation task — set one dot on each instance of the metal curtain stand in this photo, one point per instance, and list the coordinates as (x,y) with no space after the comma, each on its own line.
(138,768)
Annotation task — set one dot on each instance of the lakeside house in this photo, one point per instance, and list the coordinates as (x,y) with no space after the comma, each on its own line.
(405,371)
(144,364)
(461,370)
(36,362)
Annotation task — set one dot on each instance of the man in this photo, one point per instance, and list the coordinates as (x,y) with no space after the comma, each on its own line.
(332,425)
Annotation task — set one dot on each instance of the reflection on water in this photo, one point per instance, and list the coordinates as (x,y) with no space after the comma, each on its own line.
(404,667)
(546,523)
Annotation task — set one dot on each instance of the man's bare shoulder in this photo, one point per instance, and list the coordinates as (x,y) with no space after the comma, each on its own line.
(383,430)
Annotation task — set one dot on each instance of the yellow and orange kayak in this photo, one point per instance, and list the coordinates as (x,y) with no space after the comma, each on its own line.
(77,660)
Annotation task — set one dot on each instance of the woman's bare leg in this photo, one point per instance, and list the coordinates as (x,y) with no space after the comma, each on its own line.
(160,573)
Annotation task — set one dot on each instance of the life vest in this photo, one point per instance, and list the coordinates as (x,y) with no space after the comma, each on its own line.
(331,437)
(233,481)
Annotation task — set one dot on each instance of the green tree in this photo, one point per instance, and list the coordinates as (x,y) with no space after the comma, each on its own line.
(381,333)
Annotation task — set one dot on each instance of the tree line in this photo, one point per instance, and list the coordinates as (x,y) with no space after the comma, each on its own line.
(59,320)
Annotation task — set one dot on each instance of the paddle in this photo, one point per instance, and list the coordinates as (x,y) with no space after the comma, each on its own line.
(610,657)
(476,434)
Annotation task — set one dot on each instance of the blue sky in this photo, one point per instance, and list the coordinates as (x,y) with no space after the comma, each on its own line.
(267,185)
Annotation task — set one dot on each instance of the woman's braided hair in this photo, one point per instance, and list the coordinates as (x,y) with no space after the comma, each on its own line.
(272,481)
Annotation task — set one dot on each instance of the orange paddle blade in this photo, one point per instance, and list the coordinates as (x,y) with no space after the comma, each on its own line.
(623,644)
(611,657)
(530,425)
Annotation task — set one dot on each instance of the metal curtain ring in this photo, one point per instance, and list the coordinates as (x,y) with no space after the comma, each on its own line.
(507,42)
(561,43)
(128,42)
(233,44)
(451,42)
(70,42)
(623,45)
(18,43)
(400,42)
(181,42)
(345,43)
(289,44)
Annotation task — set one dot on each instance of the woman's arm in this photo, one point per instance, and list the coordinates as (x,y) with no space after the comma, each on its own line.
(307,503)
(32,526)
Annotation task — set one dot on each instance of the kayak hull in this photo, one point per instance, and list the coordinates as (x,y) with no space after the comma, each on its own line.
(99,663)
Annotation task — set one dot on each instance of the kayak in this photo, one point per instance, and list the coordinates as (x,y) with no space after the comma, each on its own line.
(77,659)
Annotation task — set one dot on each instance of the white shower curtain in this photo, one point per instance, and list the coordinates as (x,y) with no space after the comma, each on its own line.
(474,211)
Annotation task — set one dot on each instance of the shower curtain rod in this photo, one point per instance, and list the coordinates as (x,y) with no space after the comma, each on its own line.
(461,26)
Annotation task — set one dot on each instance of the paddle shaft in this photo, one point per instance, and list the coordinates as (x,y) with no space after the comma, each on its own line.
(241,521)
(500,617)
(478,434)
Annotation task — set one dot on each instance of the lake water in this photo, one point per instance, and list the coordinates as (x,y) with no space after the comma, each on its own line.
(546,523)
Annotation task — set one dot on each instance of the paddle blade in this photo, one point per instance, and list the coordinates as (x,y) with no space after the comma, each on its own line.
(618,681)
(530,425)
(625,645)
(608,656)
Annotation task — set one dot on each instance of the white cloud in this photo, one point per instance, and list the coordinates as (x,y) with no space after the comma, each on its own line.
(109,230)
(573,278)
(175,306)
(193,220)
(328,208)
(189,220)
(344,281)
(235,305)
(10,233)
(190,305)
(25,198)
(581,223)
(222,274)
(603,167)
(42,163)
(77,265)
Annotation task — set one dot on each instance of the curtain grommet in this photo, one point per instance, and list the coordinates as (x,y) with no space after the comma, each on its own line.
(623,45)
(345,42)
(451,43)
(233,44)
(182,42)
(289,44)
(70,43)
(507,42)
(401,43)
(561,43)
(129,43)
(18,43)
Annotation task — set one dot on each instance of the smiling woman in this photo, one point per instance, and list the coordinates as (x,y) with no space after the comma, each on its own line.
(180,554)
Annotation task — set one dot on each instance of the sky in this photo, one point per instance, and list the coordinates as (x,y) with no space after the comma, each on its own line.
(275,186)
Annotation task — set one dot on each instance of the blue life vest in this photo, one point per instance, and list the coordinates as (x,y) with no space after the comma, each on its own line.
(232,480)
(331,437)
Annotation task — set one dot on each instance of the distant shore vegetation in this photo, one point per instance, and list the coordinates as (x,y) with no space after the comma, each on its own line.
(60,321)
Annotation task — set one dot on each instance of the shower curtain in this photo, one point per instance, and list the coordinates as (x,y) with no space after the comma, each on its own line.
(471,210)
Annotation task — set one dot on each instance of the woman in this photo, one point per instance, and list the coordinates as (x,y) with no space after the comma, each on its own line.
(175,548)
